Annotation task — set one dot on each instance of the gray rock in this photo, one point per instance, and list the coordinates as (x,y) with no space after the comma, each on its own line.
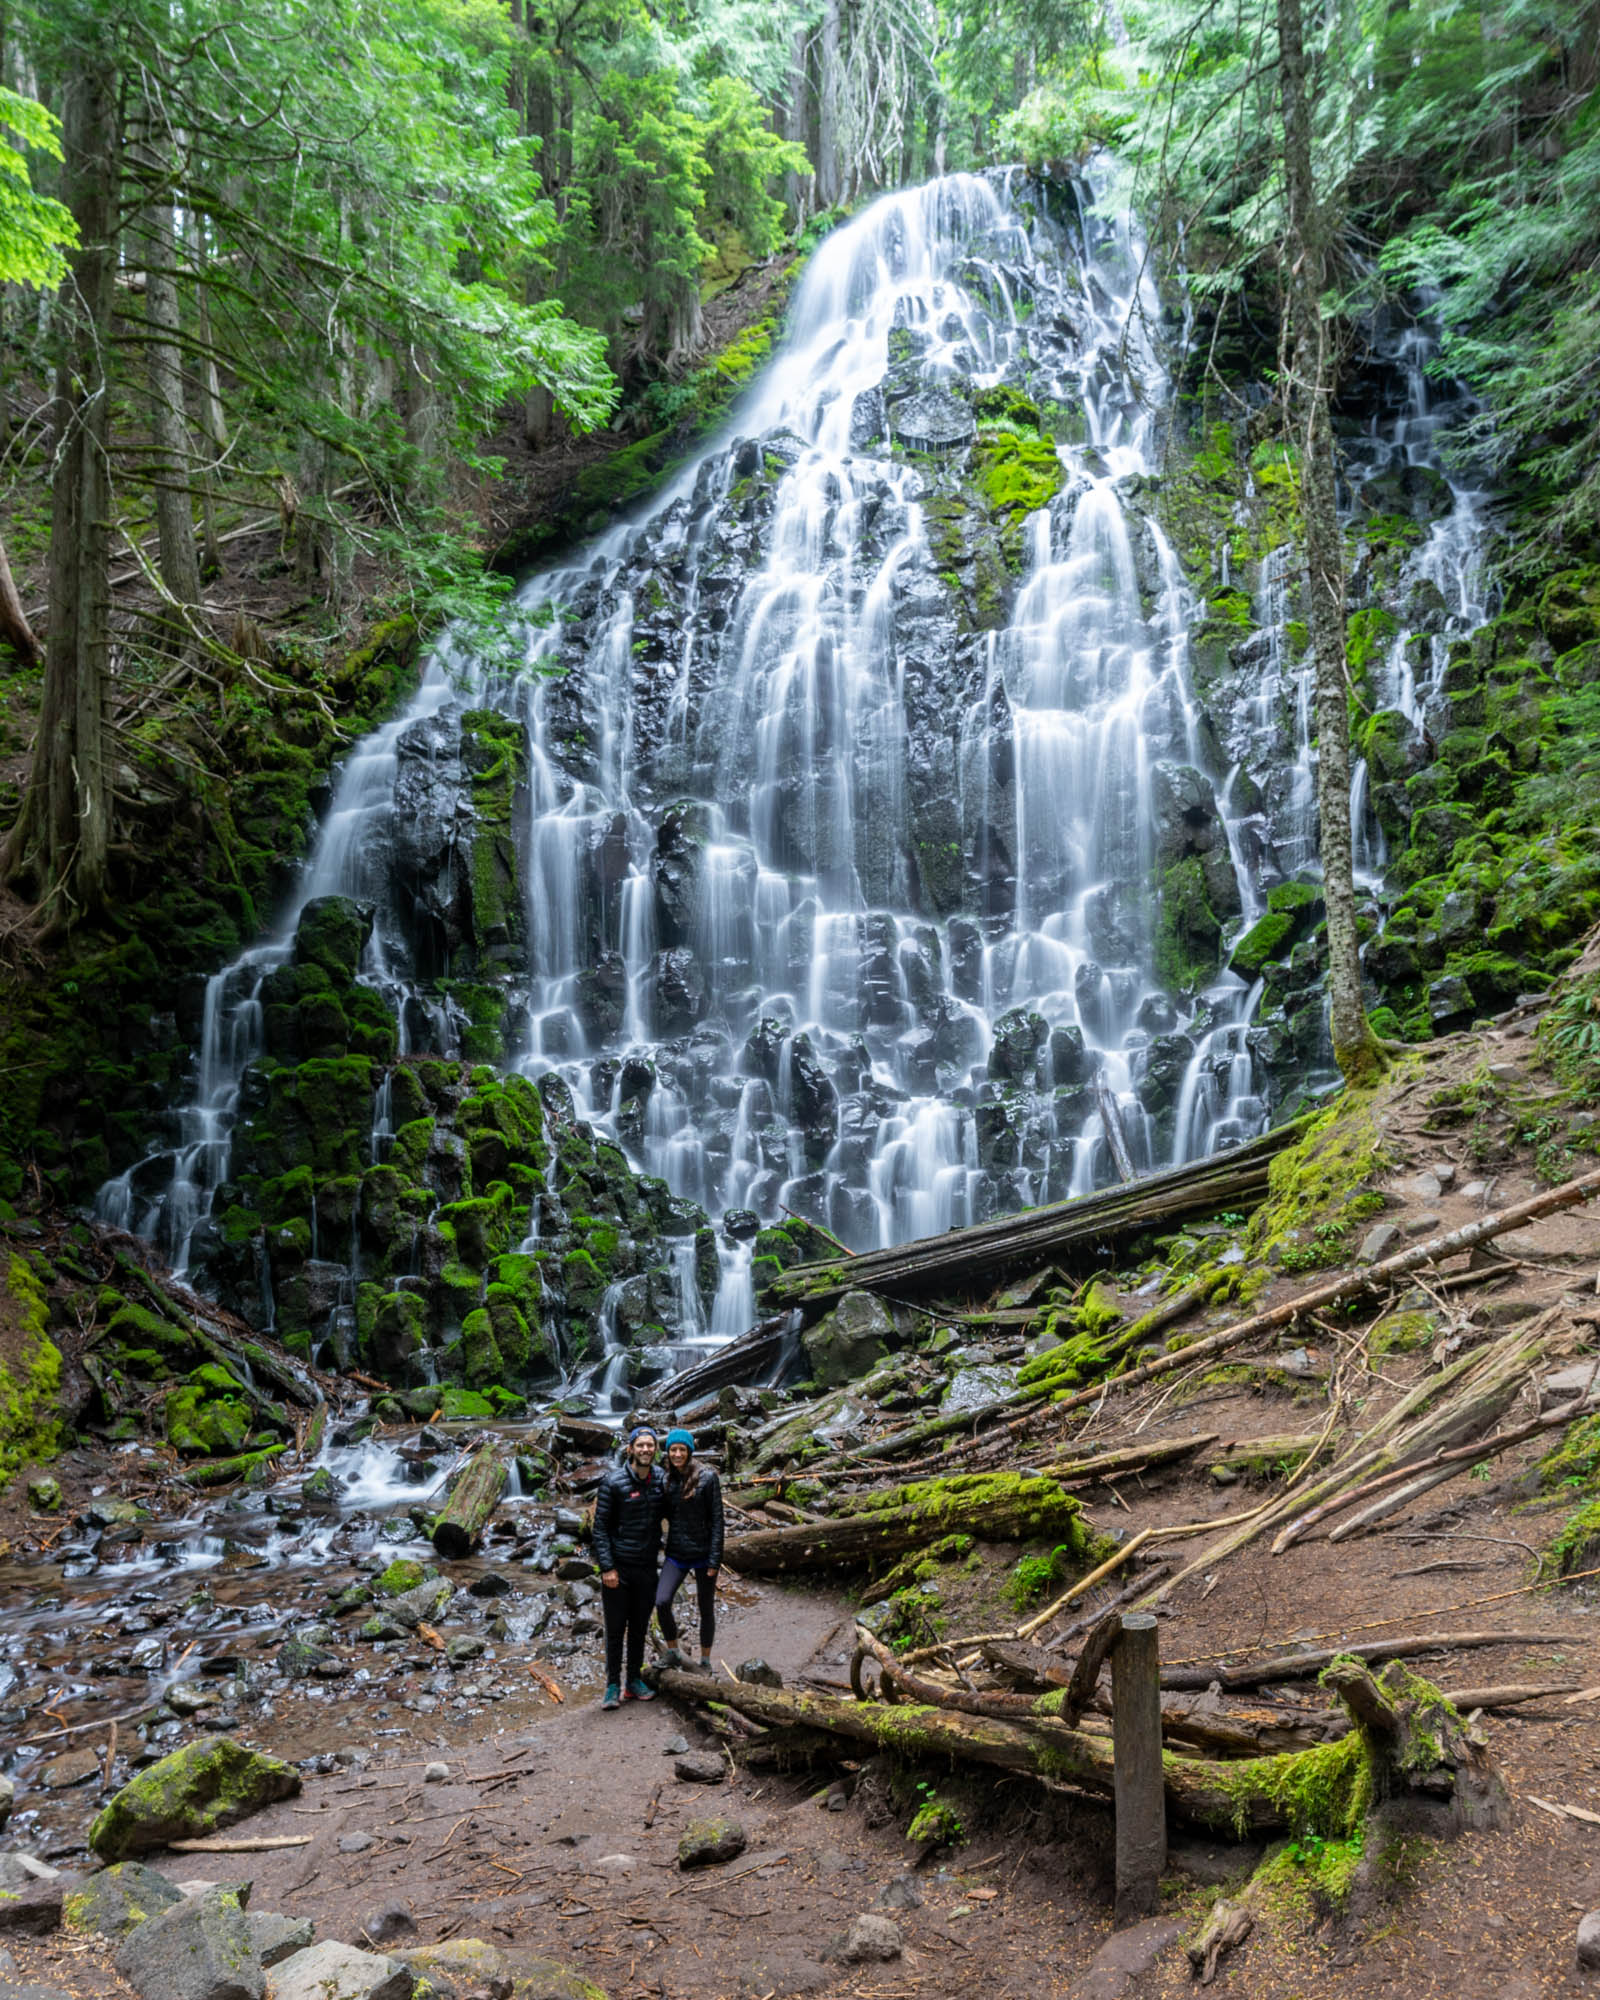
(20,1871)
(1422,1225)
(708,1840)
(850,1340)
(356,1843)
(933,420)
(1589,1941)
(870,1940)
(31,1989)
(277,1937)
(674,1746)
(758,1674)
(1126,1956)
(1426,1186)
(189,1697)
(422,1602)
(463,1646)
(490,1584)
(977,1389)
(700,1767)
(1379,1240)
(392,1921)
(117,1899)
(199,1949)
(8,1795)
(900,1894)
(334,1971)
(436,1774)
(35,1905)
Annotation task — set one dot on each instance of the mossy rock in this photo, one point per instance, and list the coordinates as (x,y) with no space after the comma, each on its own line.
(208,1415)
(463,1966)
(332,933)
(403,1574)
(199,1790)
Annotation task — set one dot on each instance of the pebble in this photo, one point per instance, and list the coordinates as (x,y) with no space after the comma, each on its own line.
(614,1865)
(1422,1225)
(870,1940)
(435,1774)
(674,1746)
(900,1894)
(1589,1941)
(356,1843)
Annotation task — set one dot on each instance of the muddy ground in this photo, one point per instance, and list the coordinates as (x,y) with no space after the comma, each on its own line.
(557,1826)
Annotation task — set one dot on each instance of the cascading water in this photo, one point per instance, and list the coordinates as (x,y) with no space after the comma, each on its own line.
(873,852)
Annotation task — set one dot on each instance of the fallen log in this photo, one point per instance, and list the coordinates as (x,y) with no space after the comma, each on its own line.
(1297,1666)
(755,1353)
(992,1507)
(1410,1741)
(1236,1178)
(1111,1125)
(472,1500)
(315,1430)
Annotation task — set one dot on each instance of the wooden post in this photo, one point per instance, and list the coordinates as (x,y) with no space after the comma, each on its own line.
(1141,1804)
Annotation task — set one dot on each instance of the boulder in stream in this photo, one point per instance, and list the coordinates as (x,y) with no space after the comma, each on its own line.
(198,1790)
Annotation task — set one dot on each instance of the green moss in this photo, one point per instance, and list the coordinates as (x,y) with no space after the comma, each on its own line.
(403,1574)
(1401,1333)
(1016,474)
(30,1425)
(1576,1549)
(1323,1793)
(1188,941)
(198,1790)
(1317,1185)
(250,1466)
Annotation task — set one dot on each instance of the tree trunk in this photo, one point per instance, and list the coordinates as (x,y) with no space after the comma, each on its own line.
(830,92)
(61,836)
(998,1507)
(213,423)
(1407,1741)
(1356,1048)
(793,126)
(169,428)
(14,627)
(476,1495)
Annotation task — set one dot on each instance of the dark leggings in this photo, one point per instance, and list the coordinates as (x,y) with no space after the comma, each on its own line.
(627,1612)
(672,1574)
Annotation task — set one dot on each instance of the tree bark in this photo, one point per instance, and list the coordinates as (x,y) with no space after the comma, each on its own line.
(1356,1048)
(61,837)
(830,92)
(169,427)
(796,187)
(476,1495)
(14,627)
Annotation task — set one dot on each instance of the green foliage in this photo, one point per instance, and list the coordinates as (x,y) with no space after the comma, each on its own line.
(935,1822)
(1034,1577)
(34,230)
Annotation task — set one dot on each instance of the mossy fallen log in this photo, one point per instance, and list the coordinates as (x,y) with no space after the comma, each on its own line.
(999,1507)
(473,1499)
(964,1257)
(1407,1741)
(223,1471)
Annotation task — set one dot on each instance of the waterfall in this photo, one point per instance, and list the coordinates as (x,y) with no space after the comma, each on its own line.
(873,847)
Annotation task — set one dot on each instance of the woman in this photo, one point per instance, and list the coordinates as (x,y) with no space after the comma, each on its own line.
(694,1541)
(627,1540)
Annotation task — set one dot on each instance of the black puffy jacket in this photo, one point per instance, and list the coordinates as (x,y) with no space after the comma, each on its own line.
(627,1517)
(694,1524)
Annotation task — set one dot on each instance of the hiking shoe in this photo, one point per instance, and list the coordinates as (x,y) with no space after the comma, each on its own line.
(705,1664)
(670,1657)
(636,1690)
(612,1698)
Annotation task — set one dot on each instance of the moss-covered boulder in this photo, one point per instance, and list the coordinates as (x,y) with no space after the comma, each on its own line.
(198,1790)
(851,1340)
(208,1414)
(112,1902)
(30,1374)
(462,1967)
(332,934)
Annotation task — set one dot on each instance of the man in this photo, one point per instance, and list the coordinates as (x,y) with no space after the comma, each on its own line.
(628,1512)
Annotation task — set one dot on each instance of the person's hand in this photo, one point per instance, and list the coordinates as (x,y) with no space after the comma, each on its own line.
(712,1574)
(610,1578)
